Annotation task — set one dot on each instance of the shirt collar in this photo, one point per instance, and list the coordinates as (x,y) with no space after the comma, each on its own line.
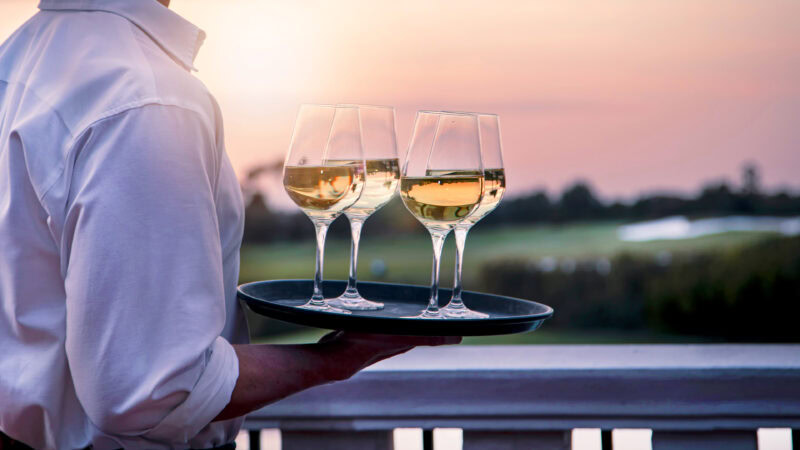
(174,34)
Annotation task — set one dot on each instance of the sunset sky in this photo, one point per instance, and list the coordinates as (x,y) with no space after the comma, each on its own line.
(631,95)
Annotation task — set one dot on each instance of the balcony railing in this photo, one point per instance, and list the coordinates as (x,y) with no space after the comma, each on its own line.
(508,397)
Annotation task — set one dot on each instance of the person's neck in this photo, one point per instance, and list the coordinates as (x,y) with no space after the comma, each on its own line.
(164,2)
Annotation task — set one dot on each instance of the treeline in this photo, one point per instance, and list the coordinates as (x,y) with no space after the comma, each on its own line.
(576,203)
(750,293)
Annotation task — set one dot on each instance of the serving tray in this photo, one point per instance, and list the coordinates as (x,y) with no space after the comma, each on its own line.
(279,299)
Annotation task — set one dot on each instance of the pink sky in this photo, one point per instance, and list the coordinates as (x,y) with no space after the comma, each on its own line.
(630,95)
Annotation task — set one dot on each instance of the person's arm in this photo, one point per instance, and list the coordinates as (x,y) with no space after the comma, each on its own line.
(337,356)
(142,260)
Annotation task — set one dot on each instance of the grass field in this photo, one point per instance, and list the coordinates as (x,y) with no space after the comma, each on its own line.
(408,260)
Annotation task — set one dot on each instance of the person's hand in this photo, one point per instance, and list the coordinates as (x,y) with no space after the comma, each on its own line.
(268,372)
(355,351)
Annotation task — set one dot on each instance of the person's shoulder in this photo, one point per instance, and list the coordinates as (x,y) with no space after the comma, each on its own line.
(140,73)
(172,83)
(90,65)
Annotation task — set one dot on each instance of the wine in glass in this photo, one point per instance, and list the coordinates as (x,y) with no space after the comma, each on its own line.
(316,178)
(382,175)
(442,181)
(494,186)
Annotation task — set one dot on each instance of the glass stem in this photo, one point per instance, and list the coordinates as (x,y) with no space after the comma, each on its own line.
(322,230)
(461,240)
(355,232)
(438,238)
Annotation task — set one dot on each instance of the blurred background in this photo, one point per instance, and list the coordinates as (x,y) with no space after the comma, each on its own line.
(652,151)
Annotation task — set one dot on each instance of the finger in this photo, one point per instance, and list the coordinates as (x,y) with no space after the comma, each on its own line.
(401,340)
(443,340)
(452,340)
(397,352)
(332,336)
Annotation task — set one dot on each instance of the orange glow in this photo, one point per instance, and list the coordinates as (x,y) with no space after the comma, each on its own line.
(630,95)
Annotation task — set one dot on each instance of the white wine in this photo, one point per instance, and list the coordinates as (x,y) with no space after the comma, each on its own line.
(440,202)
(324,191)
(494,186)
(380,186)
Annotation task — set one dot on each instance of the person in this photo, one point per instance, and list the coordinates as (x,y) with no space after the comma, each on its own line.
(120,225)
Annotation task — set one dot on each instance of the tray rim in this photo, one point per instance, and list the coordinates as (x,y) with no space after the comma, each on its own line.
(534,319)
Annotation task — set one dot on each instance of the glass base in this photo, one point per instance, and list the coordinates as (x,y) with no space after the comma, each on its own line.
(461,311)
(427,315)
(354,302)
(325,307)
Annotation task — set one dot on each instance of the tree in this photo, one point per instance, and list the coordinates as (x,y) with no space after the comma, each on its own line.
(579,202)
(751,179)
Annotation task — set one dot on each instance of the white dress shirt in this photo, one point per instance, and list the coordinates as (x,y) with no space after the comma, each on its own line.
(120,225)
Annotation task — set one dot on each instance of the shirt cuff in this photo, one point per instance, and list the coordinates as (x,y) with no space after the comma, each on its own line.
(210,395)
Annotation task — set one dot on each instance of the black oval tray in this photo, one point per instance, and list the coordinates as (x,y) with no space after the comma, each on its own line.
(280,299)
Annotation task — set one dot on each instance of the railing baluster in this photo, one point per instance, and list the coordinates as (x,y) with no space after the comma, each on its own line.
(705,440)
(335,440)
(605,440)
(255,439)
(427,439)
(512,440)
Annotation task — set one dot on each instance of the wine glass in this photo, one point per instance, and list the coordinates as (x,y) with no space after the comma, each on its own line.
(382,175)
(494,186)
(324,174)
(442,181)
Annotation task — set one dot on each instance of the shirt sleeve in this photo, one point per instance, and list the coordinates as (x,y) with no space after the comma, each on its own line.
(144,279)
